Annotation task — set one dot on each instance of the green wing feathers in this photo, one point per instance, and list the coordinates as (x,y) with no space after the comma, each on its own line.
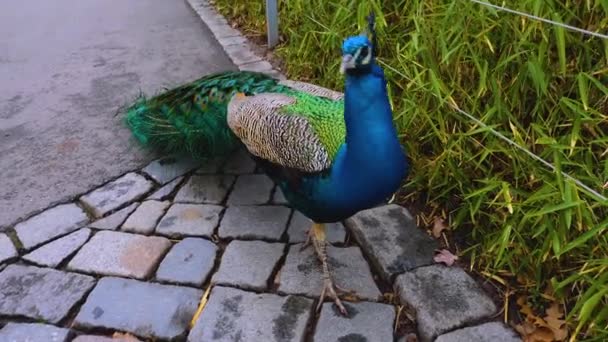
(192,118)
(297,130)
(326,117)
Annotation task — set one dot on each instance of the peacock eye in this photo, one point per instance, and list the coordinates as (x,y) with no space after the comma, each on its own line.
(364,51)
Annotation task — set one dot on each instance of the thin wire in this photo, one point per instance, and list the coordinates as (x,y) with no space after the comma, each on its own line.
(529,153)
(531,16)
(511,142)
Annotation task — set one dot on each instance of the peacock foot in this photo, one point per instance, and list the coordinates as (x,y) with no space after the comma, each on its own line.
(316,238)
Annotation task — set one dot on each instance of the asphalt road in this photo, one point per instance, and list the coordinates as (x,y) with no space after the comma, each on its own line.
(66,69)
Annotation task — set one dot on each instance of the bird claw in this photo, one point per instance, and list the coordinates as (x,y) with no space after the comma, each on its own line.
(330,290)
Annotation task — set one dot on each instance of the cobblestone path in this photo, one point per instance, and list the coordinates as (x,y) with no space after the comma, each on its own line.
(138,254)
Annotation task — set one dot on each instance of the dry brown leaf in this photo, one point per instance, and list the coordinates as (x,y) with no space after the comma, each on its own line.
(438,227)
(445,257)
(555,323)
(411,337)
(124,337)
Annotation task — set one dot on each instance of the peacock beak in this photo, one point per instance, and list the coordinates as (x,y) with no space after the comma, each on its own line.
(347,63)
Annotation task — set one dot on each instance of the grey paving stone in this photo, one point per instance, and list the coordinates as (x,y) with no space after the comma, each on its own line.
(41,293)
(241,54)
(143,220)
(7,249)
(116,193)
(223,31)
(301,274)
(167,169)
(488,332)
(189,262)
(120,254)
(54,253)
(251,190)
(96,338)
(365,322)
(278,197)
(233,41)
(33,332)
(113,221)
(390,238)
(211,166)
(49,224)
(239,163)
(261,66)
(300,224)
(205,189)
(248,264)
(167,189)
(190,220)
(444,298)
(236,315)
(144,309)
(254,222)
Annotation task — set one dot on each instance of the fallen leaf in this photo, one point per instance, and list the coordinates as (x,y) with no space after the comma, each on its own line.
(445,257)
(411,337)
(524,307)
(124,337)
(555,323)
(438,227)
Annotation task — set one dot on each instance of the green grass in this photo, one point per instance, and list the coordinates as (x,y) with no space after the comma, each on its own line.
(542,86)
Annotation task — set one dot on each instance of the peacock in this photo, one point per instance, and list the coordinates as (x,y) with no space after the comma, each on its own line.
(331,154)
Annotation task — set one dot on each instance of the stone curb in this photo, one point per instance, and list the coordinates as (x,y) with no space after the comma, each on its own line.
(236,46)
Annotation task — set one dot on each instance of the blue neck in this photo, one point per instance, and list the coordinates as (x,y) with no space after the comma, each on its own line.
(374,161)
(370,132)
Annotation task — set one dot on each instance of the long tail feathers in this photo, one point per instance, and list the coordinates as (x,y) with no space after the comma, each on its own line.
(192,118)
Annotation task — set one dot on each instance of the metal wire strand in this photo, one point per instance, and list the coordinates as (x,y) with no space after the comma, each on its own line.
(531,16)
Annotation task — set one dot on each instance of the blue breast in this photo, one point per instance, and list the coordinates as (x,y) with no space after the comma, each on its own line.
(369,167)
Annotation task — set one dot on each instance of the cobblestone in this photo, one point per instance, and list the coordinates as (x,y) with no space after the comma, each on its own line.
(254,222)
(41,293)
(143,220)
(166,169)
(55,252)
(391,239)
(167,189)
(190,220)
(96,338)
(120,254)
(444,298)
(488,332)
(49,224)
(278,197)
(7,249)
(300,224)
(365,322)
(115,220)
(301,273)
(239,163)
(205,189)
(248,264)
(251,190)
(115,194)
(211,166)
(33,332)
(189,262)
(235,315)
(144,309)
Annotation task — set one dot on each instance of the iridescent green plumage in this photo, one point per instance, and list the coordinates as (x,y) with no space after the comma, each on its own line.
(326,117)
(192,118)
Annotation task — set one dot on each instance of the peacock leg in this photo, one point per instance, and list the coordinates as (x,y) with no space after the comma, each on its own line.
(316,237)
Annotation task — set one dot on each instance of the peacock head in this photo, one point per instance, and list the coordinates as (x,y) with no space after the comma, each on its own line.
(357,54)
